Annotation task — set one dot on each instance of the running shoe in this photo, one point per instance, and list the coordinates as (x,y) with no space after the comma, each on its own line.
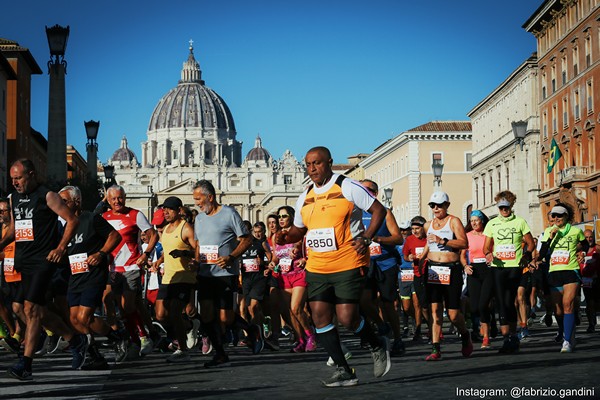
(257,342)
(381,358)
(405,332)
(298,348)
(179,356)
(485,344)
(510,345)
(467,345)
(11,344)
(192,334)
(566,347)
(267,327)
(218,362)
(121,350)
(397,348)
(272,343)
(53,343)
(286,331)
(347,356)
(18,371)
(95,364)
(134,351)
(42,344)
(524,333)
(147,346)
(435,355)
(206,345)
(79,351)
(558,338)
(548,319)
(311,343)
(341,377)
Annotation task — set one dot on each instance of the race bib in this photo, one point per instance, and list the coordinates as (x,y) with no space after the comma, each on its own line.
(407,275)
(285,265)
(419,251)
(79,263)
(559,257)
(587,282)
(251,265)
(209,254)
(439,275)
(9,266)
(321,240)
(479,260)
(375,249)
(24,230)
(506,252)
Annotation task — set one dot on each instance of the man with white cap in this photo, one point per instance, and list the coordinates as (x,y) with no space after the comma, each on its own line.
(446,237)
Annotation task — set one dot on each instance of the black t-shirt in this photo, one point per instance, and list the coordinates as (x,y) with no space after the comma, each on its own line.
(36,229)
(255,250)
(91,234)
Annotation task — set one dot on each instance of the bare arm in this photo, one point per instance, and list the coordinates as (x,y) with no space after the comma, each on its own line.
(113,239)
(152,239)
(244,242)
(56,204)
(9,236)
(395,237)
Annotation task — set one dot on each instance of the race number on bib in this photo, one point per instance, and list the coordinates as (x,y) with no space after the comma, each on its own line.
(250,265)
(79,263)
(407,275)
(419,251)
(439,275)
(479,260)
(506,252)
(9,266)
(24,230)
(559,257)
(285,265)
(209,254)
(321,240)
(375,249)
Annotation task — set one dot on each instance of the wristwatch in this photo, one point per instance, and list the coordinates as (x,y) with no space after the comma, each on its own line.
(147,253)
(367,240)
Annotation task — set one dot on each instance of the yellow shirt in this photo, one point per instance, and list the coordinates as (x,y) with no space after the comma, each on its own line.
(177,270)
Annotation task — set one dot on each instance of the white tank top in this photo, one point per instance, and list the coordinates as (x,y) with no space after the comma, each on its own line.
(445,232)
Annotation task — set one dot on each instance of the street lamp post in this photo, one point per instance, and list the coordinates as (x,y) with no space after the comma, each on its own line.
(91,131)
(109,175)
(387,196)
(57,120)
(519,129)
(437,168)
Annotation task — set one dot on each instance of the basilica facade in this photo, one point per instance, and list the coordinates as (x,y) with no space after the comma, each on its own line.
(192,136)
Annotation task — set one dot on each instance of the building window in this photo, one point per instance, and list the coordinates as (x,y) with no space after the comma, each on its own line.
(498,173)
(491,185)
(543,85)
(576,105)
(468,161)
(483,189)
(507,168)
(575,61)
(259,183)
(590,97)
(553,78)
(554,128)
(545,124)
(564,70)
(588,51)
(476,193)
(175,154)
(235,183)
(287,179)
(565,112)
(171,183)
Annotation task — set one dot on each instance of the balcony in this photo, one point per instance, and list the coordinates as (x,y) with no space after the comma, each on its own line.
(573,174)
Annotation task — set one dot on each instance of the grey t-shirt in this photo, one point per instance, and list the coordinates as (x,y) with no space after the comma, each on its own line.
(217,237)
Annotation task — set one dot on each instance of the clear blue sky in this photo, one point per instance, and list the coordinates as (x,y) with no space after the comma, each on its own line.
(341,73)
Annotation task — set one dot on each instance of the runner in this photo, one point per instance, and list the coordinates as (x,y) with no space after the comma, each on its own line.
(590,284)
(445,239)
(179,276)
(508,247)
(89,251)
(567,247)
(39,247)
(337,259)
(222,239)
(412,252)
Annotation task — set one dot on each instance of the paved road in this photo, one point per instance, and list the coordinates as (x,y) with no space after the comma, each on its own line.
(281,374)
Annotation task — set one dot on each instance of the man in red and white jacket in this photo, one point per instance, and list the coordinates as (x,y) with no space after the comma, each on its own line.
(128,260)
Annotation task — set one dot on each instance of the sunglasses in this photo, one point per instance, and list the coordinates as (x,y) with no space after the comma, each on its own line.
(504,208)
(283,216)
(434,205)
(553,215)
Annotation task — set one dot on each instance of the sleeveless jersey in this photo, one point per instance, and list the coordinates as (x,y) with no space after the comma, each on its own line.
(128,225)
(445,232)
(476,247)
(328,216)
(36,229)
(177,270)
(250,264)
(8,265)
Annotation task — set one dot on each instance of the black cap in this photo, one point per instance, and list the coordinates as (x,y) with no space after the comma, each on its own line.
(174,203)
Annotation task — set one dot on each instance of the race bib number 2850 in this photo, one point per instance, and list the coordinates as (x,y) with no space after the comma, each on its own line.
(321,240)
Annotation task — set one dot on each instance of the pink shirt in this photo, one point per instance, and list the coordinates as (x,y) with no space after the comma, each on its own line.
(476,247)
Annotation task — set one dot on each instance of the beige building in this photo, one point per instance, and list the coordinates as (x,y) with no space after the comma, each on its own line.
(404,164)
(500,160)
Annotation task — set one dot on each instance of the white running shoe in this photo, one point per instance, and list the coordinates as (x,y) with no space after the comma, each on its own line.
(192,335)
(179,356)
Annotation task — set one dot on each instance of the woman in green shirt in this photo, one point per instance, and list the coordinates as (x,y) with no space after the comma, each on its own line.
(507,248)
(566,245)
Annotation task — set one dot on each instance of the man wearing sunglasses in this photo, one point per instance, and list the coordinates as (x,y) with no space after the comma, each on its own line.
(329,214)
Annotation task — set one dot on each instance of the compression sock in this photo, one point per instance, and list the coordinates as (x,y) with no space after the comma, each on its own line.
(365,332)
(328,338)
(569,326)
(561,324)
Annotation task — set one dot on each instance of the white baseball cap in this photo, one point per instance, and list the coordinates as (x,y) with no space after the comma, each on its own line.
(439,198)
(503,203)
(404,225)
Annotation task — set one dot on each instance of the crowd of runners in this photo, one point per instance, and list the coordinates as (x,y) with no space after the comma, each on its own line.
(200,278)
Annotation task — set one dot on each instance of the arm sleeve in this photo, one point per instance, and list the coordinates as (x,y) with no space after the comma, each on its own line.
(142,222)
(297,215)
(357,194)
